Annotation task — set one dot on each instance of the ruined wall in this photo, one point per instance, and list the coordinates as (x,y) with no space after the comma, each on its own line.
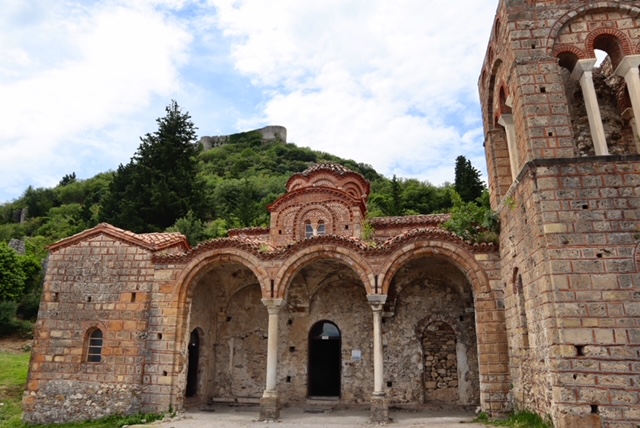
(241,347)
(104,283)
(428,296)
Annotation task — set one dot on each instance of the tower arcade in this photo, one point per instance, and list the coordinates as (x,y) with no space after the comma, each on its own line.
(562,146)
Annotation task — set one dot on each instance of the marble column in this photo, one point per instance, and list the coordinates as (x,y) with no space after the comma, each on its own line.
(379,401)
(270,401)
(628,69)
(506,120)
(583,72)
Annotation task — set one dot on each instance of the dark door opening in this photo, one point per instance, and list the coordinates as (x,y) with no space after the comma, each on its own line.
(325,360)
(192,371)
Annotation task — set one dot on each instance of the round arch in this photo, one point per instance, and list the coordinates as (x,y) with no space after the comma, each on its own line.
(611,40)
(583,10)
(296,261)
(456,254)
(204,261)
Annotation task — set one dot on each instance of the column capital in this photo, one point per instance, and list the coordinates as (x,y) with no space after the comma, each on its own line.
(629,62)
(583,66)
(505,120)
(377,301)
(273,305)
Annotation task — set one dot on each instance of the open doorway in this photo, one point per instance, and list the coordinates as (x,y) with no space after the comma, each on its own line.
(194,357)
(325,360)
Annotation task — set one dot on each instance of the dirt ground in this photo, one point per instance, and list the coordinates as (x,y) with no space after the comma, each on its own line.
(15,345)
(241,417)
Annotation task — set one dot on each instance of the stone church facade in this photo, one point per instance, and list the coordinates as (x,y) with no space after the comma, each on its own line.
(324,305)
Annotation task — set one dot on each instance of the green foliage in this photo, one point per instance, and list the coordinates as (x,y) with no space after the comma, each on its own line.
(12,277)
(467,182)
(160,184)
(522,419)
(10,325)
(473,221)
(191,227)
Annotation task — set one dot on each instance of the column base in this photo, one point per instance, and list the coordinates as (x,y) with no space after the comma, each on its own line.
(270,408)
(379,409)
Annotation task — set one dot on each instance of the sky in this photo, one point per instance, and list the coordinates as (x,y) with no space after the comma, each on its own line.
(390,83)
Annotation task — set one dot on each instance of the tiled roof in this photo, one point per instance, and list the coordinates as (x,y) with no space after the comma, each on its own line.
(334,167)
(150,241)
(410,220)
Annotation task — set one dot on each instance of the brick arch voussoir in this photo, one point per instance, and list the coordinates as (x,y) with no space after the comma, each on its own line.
(583,10)
(560,49)
(208,258)
(308,255)
(301,213)
(502,87)
(492,85)
(459,256)
(625,43)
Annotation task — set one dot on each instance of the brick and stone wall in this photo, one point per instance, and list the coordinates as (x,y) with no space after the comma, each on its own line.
(97,283)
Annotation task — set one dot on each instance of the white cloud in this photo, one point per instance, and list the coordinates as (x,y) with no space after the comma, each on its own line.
(387,83)
(392,84)
(93,68)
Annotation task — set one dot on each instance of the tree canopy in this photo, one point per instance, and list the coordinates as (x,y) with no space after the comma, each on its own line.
(160,184)
(467,182)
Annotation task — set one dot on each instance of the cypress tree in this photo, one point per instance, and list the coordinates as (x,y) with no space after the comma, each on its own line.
(468,183)
(160,183)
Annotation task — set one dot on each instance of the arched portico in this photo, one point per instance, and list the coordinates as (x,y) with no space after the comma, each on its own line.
(481,317)
(219,294)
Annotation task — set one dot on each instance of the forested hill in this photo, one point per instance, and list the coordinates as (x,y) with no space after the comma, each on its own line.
(239,180)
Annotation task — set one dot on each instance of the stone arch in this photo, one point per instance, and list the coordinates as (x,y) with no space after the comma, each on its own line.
(198,265)
(204,261)
(568,56)
(308,255)
(503,92)
(583,10)
(490,91)
(610,40)
(456,254)
(638,49)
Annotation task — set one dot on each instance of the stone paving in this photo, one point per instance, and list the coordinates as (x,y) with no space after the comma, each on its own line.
(241,417)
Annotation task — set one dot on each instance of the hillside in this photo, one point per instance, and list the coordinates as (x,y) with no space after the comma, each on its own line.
(241,179)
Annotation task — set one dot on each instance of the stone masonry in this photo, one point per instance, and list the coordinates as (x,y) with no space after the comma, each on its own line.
(230,321)
(564,173)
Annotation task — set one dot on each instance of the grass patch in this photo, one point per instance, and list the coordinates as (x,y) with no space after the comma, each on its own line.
(13,378)
(518,420)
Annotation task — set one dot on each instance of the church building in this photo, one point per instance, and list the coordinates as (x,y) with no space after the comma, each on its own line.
(327,305)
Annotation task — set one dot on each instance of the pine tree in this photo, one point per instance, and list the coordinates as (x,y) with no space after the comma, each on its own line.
(468,183)
(160,183)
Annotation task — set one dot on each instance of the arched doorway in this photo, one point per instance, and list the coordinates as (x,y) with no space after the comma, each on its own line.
(194,357)
(325,360)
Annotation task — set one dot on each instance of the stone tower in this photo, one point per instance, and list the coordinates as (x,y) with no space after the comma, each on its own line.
(562,150)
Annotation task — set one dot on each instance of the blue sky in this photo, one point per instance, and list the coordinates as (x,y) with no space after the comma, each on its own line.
(388,83)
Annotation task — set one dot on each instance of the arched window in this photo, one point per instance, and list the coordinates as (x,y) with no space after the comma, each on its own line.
(308,230)
(94,346)
(321,228)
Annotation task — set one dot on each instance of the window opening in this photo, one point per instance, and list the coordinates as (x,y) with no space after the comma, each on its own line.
(94,350)
(321,228)
(308,230)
